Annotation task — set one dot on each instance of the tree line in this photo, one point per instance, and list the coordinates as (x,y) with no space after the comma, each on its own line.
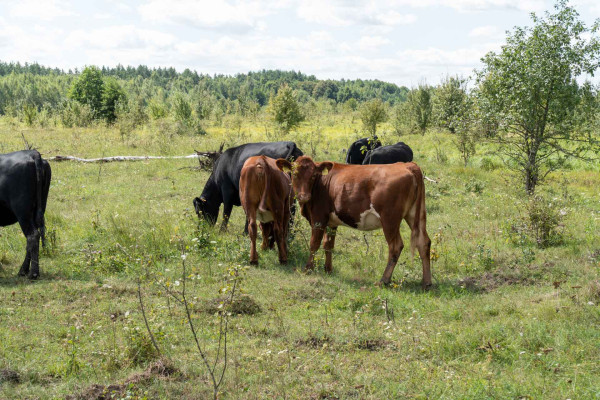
(527,97)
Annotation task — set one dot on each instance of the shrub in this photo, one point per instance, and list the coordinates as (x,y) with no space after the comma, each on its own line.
(372,113)
(544,221)
(285,109)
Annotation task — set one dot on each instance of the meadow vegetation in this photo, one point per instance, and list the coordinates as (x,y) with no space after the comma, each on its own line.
(515,305)
(513,311)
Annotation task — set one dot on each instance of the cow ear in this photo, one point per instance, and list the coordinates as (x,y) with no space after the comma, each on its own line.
(324,167)
(284,165)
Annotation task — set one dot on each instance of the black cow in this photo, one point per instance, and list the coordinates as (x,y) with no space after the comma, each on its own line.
(24,185)
(358,150)
(223,185)
(399,152)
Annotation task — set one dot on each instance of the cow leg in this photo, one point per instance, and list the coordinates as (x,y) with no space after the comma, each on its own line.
(395,246)
(423,244)
(279,236)
(227,207)
(31,266)
(267,232)
(328,243)
(315,242)
(252,231)
(420,239)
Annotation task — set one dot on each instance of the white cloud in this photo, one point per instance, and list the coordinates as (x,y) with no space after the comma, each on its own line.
(343,13)
(372,42)
(476,5)
(487,31)
(234,17)
(119,37)
(45,10)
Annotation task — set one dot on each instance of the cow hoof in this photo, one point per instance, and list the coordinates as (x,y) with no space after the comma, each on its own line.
(283,262)
(33,276)
(427,286)
(22,273)
(253,262)
(382,284)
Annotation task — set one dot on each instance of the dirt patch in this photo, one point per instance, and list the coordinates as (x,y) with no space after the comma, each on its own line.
(242,305)
(159,369)
(493,280)
(315,341)
(9,376)
(372,344)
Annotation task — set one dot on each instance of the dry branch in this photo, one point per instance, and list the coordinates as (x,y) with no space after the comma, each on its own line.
(118,158)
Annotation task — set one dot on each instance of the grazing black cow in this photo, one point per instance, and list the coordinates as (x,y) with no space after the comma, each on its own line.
(223,185)
(24,185)
(399,152)
(358,150)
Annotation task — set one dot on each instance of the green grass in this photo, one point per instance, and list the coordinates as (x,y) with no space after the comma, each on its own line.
(493,326)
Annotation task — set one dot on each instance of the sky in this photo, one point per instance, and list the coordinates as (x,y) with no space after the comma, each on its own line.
(401,41)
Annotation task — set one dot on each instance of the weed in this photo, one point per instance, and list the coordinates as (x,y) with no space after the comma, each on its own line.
(484,257)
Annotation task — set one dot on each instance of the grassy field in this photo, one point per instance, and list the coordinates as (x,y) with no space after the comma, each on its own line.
(504,319)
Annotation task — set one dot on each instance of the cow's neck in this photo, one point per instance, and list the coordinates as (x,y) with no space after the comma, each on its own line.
(321,204)
(211,191)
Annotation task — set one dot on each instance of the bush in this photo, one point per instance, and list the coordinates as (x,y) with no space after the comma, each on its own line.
(73,113)
(285,109)
(541,224)
(372,113)
(544,221)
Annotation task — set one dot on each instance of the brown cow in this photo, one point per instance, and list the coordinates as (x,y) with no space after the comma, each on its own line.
(266,196)
(364,197)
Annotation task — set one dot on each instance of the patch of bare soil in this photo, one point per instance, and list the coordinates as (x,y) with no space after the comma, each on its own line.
(9,376)
(493,280)
(373,344)
(314,341)
(161,369)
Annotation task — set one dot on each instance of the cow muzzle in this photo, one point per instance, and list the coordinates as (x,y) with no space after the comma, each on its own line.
(303,198)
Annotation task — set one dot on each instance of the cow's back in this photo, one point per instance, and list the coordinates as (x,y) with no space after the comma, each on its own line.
(228,167)
(399,152)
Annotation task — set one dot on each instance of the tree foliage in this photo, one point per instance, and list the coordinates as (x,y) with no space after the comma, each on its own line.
(530,89)
(372,113)
(448,100)
(420,107)
(101,94)
(285,109)
(88,88)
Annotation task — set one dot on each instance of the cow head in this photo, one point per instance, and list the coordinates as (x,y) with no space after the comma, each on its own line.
(206,210)
(304,174)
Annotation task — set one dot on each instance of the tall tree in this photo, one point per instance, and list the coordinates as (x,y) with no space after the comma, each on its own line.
(88,88)
(285,109)
(448,100)
(420,107)
(530,89)
(372,113)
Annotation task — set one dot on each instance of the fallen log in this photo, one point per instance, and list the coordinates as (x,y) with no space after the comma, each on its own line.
(118,158)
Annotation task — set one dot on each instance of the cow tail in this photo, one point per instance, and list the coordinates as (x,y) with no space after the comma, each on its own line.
(263,173)
(39,209)
(419,205)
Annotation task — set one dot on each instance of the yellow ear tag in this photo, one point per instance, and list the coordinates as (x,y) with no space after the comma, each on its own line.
(325,172)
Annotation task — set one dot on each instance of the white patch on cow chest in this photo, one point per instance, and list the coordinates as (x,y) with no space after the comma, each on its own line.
(264,216)
(369,220)
(335,221)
